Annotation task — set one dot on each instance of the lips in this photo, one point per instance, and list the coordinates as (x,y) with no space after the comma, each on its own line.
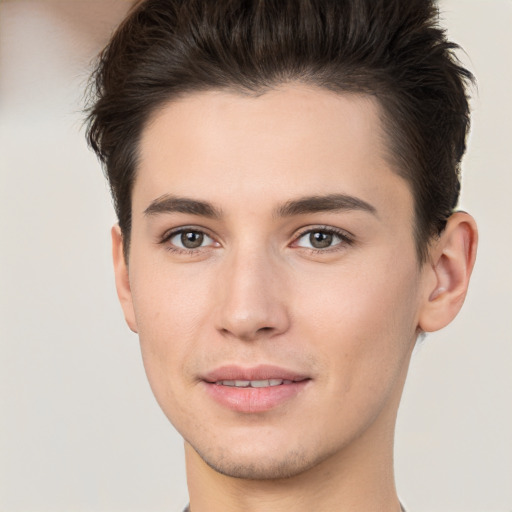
(253,390)
(255,373)
(253,383)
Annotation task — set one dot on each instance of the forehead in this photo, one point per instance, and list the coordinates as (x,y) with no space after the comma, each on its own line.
(295,140)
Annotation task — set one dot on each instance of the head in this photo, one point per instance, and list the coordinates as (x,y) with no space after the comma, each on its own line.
(393,51)
(284,174)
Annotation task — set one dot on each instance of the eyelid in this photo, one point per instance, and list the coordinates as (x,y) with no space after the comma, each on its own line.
(171,233)
(346,237)
(187,227)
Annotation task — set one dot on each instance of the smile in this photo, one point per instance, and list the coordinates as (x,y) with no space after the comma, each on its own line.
(253,383)
(256,389)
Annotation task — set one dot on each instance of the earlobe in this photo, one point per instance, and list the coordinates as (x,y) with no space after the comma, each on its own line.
(122,278)
(452,261)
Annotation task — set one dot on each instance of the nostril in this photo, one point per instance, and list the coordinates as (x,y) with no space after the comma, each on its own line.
(249,334)
(247,313)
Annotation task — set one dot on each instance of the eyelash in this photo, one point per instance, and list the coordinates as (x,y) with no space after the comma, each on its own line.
(169,235)
(346,239)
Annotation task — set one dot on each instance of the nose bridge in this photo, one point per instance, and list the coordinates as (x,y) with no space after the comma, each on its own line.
(251,300)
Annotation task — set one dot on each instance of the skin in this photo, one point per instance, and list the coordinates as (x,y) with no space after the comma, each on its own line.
(256,292)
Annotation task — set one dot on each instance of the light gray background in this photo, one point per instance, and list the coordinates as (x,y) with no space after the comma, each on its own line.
(79,428)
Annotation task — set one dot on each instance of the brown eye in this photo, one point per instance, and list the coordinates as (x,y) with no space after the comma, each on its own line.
(191,239)
(323,238)
(320,239)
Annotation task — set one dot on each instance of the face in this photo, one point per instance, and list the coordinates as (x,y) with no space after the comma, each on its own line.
(273,278)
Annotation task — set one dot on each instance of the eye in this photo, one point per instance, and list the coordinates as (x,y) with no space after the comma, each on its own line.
(322,238)
(189,239)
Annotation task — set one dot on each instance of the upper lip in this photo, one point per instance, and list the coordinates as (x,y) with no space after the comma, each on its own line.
(260,372)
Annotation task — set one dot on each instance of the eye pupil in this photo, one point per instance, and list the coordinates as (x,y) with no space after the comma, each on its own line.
(192,239)
(320,239)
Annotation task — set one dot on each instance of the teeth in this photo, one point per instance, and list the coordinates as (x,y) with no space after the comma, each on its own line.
(263,383)
(253,383)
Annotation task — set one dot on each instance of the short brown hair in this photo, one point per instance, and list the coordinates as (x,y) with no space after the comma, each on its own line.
(393,50)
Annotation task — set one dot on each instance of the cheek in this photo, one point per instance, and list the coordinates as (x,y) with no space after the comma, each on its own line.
(170,311)
(364,322)
(168,300)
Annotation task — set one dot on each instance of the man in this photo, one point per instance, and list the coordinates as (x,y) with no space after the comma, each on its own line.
(285,174)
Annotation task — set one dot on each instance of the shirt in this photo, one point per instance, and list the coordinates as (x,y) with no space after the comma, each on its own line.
(187,508)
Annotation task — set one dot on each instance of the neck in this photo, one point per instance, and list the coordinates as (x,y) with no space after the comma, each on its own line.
(356,479)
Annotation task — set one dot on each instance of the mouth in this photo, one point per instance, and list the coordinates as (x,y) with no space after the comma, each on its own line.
(265,383)
(254,390)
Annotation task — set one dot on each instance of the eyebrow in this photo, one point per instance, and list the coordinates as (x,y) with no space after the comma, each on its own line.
(304,205)
(174,204)
(328,203)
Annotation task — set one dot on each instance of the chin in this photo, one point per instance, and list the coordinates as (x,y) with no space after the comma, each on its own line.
(259,464)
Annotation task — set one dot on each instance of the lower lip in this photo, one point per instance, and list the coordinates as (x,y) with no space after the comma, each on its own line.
(252,400)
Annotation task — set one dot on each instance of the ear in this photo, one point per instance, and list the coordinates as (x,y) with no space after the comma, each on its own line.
(451,262)
(122,278)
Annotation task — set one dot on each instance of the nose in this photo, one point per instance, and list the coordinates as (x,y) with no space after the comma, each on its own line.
(251,297)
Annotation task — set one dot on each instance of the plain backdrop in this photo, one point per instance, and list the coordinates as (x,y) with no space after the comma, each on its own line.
(79,428)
